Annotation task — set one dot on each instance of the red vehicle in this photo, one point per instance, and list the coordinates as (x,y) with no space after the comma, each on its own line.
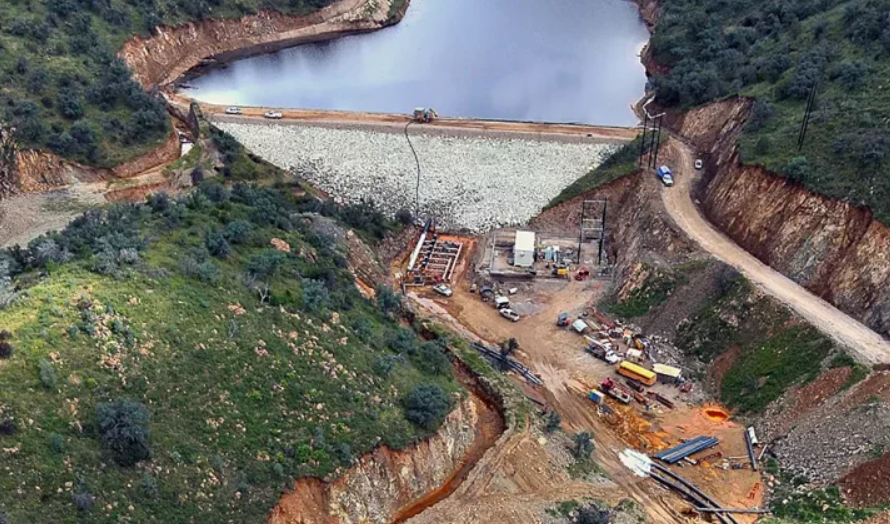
(615,391)
(582,274)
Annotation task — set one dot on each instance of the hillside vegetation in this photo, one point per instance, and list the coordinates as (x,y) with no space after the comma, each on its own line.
(184,360)
(774,51)
(764,349)
(64,90)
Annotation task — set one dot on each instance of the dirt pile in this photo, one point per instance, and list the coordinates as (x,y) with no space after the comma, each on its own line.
(170,52)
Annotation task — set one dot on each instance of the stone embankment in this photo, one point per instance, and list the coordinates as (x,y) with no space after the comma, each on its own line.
(467,182)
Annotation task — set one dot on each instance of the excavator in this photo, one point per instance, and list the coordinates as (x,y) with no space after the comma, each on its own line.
(425,115)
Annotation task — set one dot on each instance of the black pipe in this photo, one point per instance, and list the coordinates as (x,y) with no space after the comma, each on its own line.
(699,502)
(689,485)
(751,456)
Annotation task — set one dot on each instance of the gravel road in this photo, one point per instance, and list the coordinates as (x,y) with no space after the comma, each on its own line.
(468,181)
(864,344)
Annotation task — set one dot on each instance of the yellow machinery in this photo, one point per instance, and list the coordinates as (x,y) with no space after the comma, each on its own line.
(424,115)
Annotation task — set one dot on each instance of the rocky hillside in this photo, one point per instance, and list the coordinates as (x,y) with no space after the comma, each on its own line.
(185,358)
(384,481)
(170,51)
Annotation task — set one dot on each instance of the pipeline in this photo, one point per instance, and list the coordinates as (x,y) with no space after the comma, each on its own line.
(688,494)
(694,489)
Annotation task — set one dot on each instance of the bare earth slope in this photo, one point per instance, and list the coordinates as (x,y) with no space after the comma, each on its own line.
(864,344)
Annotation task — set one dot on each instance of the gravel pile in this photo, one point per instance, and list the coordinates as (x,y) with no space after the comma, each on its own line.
(468,183)
(825,447)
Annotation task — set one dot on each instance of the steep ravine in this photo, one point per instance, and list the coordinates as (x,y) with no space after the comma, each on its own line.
(388,486)
(835,250)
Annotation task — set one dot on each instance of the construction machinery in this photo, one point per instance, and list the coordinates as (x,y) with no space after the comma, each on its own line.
(425,115)
(614,390)
(582,274)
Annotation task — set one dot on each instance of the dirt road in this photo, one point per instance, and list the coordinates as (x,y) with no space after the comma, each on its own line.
(397,122)
(864,344)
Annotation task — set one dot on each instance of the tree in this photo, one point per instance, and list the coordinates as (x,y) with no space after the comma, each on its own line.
(798,168)
(315,295)
(238,231)
(426,406)
(124,428)
(264,265)
(508,347)
(432,359)
(387,300)
(582,445)
(217,244)
(70,103)
(553,421)
(593,514)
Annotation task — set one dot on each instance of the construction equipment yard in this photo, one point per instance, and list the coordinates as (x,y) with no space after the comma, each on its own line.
(567,373)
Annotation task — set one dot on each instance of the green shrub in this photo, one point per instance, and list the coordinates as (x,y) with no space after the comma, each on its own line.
(387,300)
(238,231)
(149,486)
(57,443)
(553,421)
(6,350)
(315,295)
(47,373)
(431,358)
(124,428)
(426,406)
(582,445)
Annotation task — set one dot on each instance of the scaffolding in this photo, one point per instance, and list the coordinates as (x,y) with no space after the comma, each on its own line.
(433,260)
(592,227)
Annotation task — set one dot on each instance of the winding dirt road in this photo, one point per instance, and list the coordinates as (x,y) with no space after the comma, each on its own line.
(865,345)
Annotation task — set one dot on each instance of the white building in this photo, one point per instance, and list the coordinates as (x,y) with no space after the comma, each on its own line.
(524,249)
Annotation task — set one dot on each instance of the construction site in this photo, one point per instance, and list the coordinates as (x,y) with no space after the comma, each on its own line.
(541,288)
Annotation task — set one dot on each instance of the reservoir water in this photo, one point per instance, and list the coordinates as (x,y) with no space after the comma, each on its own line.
(535,60)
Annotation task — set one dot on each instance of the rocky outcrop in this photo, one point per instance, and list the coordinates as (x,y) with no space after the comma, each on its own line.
(835,250)
(170,52)
(385,482)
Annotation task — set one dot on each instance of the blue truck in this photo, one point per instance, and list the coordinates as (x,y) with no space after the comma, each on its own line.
(664,173)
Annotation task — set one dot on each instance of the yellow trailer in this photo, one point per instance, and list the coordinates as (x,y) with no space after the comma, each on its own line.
(638,373)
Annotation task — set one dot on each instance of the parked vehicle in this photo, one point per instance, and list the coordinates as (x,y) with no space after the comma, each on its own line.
(510,315)
(614,390)
(562,320)
(502,302)
(233,110)
(272,114)
(638,373)
(580,326)
(611,357)
(443,290)
(582,274)
(664,173)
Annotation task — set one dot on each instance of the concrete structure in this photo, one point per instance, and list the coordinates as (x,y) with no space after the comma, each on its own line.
(524,249)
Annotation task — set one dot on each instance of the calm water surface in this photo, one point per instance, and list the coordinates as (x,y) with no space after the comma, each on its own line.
(538,60)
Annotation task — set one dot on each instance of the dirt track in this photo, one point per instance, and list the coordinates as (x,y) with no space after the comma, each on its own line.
(397,122)
(866,345)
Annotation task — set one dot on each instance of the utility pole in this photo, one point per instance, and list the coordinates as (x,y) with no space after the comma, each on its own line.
(654,135)
(805,123)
